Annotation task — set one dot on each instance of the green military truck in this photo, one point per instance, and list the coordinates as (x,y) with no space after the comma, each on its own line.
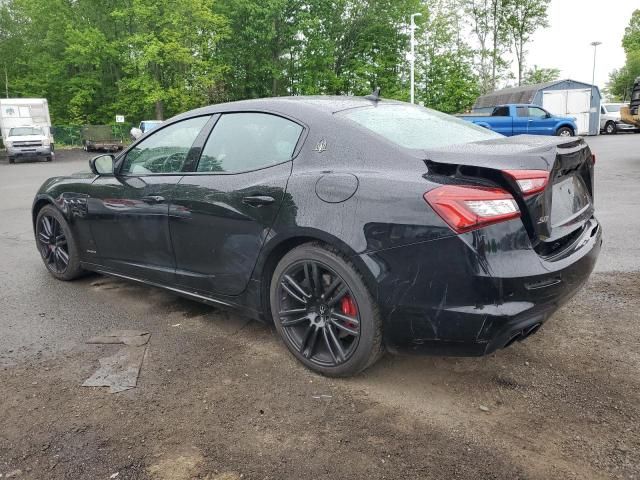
(100,137)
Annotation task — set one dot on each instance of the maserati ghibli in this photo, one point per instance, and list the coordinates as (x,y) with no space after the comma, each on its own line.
(355,225)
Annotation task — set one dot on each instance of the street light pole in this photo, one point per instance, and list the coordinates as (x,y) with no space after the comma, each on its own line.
(593,77)
(413,54)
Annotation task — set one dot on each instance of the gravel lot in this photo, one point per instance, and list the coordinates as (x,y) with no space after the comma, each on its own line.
(220,398)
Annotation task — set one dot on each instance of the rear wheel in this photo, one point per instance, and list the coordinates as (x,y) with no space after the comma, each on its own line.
(56,244)
(12,160)
(610,128)
(565,132)
(324,312)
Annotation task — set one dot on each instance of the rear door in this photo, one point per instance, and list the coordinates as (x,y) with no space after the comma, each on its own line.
(521,121)
(222,212)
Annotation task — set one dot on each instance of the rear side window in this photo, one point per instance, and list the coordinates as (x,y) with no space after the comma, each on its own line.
(411,126)
(247,141)
(500,112)
(522,111)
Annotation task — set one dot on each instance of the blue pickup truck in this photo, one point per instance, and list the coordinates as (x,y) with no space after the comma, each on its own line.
(517,119)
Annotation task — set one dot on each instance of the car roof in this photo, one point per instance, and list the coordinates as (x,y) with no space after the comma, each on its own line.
(295,106)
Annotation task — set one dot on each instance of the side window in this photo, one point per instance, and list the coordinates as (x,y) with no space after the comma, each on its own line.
(500,112)
(247,141)
(165,151)
(537,112)
(522,111)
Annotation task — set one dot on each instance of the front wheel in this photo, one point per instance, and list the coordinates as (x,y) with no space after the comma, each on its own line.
(565,132)
(12,160)
(324,312)
(610,128)
(56,244)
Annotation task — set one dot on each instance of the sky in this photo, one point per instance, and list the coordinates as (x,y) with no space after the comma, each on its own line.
(574,24)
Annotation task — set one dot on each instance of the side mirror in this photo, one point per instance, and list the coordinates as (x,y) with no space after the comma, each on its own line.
(135,133)
(548,115)
(102,165)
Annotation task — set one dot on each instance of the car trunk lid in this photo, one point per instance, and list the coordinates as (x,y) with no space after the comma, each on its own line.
(552,216)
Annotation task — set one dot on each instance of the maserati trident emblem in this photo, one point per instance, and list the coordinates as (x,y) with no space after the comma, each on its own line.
(323,309)
(321,146)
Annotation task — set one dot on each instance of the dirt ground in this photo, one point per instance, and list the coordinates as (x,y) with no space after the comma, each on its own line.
(220,398)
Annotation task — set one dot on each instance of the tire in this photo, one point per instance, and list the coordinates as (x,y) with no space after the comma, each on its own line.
(48,159)
(610,128)
(53,260)
(12,160)
(324,343)
(565,132)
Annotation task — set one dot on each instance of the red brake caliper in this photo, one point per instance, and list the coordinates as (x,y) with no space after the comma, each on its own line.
(348,307)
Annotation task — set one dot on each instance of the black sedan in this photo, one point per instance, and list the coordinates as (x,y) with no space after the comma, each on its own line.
(355,225)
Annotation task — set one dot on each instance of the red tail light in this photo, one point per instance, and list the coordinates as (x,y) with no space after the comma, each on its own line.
(529,181)
(468,208)
(593,158)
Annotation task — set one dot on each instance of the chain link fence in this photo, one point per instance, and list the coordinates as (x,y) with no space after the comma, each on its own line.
(71,135)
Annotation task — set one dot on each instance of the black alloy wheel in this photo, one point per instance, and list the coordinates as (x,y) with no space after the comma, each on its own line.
(52,243)
(324,312)
(56,244)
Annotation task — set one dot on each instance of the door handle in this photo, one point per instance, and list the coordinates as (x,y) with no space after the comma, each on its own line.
(153,199)
(258,200)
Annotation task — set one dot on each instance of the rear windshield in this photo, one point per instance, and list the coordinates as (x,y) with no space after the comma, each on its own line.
(613,108)
(25,131)
(415,127)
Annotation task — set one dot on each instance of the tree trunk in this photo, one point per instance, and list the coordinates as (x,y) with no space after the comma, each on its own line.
(159,110)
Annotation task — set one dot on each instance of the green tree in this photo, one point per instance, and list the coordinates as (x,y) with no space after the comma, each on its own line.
(446,80)
(621,80)
(523,18)
(540,75)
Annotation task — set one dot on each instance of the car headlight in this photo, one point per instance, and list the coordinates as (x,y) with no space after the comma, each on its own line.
(46,142)
(8,144)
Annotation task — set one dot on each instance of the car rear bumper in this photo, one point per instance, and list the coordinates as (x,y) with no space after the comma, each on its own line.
(472,294)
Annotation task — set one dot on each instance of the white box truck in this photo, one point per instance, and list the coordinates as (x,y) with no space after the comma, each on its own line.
(25,127)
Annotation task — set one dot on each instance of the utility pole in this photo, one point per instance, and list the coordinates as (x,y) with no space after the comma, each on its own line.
(413,54)
(6,81)
(593,77)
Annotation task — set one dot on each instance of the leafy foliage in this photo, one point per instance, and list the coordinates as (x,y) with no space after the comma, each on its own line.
(145,59)
(540,75)
(621,81)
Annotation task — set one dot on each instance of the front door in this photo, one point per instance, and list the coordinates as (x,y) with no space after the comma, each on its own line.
(221,214)
(128,212)
(540,122)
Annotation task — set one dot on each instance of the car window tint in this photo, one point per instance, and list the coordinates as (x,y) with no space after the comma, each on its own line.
(165,151)
(522,111)
(501,112)
(537,112)
(416,127)
(247,141)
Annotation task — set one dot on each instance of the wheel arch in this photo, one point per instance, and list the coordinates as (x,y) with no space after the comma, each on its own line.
(566,125)
(278,247)
(40,202)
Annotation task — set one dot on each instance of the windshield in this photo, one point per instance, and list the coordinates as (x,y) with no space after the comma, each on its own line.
(612,108)
(417,127)
(25,131)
